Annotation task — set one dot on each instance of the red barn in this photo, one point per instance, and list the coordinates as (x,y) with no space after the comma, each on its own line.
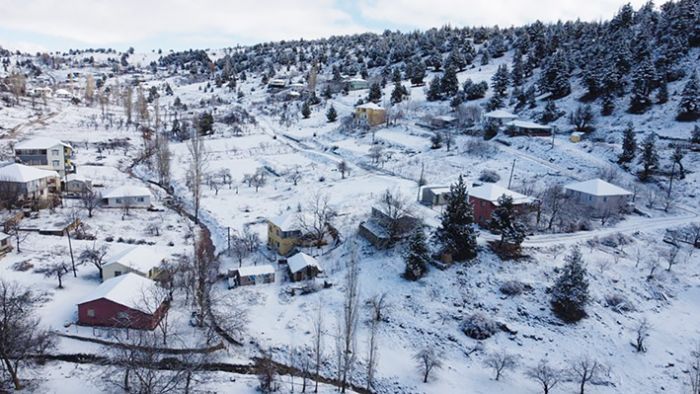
(126,301)
(484,199)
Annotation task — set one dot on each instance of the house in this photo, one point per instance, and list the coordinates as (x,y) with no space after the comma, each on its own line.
(523,127)
(5,244)
(601,197)
(127,197)
(46,153)
(381,229)
(285,233)
(443,121)
(142,260)
(303,267)
(63,94)
(499,116)
(356,84)
(276,83)
(434,195)
(252,275)
(21,183)
(76,184)
(484,199)
(372,113)
(122,302)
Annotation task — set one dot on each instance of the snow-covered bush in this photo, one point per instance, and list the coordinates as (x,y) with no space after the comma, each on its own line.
(512,287)
(479,148)
(489,176)
(479,326)
(618,302)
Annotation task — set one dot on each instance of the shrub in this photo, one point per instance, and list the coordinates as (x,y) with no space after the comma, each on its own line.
(512,287)
(479,326)
(618,302)
(489,176)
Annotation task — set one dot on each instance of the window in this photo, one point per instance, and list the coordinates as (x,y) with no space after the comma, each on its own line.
(91,313)
(122,315)
(605,199)
(56,163)
(140,199)
(119,200)
(54,152)
(117,273)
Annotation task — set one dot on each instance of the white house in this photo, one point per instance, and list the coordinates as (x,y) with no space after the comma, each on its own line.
(141,260)
(19,183)
(602,197)
(127,197)
(46,153)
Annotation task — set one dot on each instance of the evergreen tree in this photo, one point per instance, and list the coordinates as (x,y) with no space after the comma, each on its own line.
(570,291)
(689,107)
(417,73)
(456,59)
(642,84)
(649,158)
(499,81)
(456,234)
(305,110)
(449,84)
(485,58)
(629,145)
(327,94)
(331,114)
(551,112)
(555,77)
(695,135)
(398,94)
(504,219)
(375,93)
(517,74)
(435,60)
(608,105)
(418,256)
(662,93)
(434,90)
(396,75)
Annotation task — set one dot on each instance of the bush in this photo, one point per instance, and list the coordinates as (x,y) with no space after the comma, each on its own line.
(479,326)
(479,148)
(489,176)
(512,287)
(618,302)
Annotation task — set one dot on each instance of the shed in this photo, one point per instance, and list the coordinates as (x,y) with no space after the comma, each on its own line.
(303,267)
(434,195)
(252,275)
(576,137)
(523,127)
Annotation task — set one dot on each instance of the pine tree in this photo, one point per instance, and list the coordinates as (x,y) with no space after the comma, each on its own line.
(504,219)
(327,94)
(396,75)
(551,112)
(649,158)
(695,135)
(517,74)
(331,114)
(375,93)
(570,291)
(455,59)
(418,256)
(485,58)
(642,84)
(435,60)
(689,107)
(305,110)
(499,81)
(417,72)
(629,146)
(662,93)
(608,105)
(398,94)
(555,77)
(449,84)
(434,90)
(456,234)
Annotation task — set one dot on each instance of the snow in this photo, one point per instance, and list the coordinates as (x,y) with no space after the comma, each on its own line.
(300,261)
(254,270)
(527,125)
(22,174)
(370,105)
(127,191)
(140,258)
(127,290)
(492,192)
(40,143)
(500,114)
(598,187)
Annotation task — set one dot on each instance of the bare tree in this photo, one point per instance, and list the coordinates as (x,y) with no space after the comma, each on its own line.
(256,180)
(295,175)
(318,217)
(155,300)
(128,102)
(427,361)
(195,174)
(350,318)
(378,304)
(163,158)
(671,256)
(500,362)
(372,352)
(376,154)
(545,375)
(13,230)
(396,208)
(204,272)
(343,168)
(587,370)
(449,139)
(553,202)
(58,270)
(694,370)
(90,200)
(22,335)
(317,344)
(17,83)
(267,373)
(95,256)
(89,89)
(642,332)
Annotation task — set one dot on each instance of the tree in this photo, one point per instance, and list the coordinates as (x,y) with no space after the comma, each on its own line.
(629,145)
(671,256)
(694,370)
(587,370)
(695,135)
(396,214)
(677,158)
(689,106)
(427,361)
(343,168)
(375,93)
(434,90)
(95,256)
(545,375)
(163,158)
(554,78)
(22,336)
(318,218)
(58,270)
(505,220)
(417,72)
(90,200)
(643,81)
(350,318)
(331,114)
(582,118)
(500,362)
(642,332)
(89,89)
(306,110)
(418,256)
(399,93)
(456,234)
(449,84)
(570,291)
(649,158)
(197,168)
(317,345)
(500,81)
(372,353)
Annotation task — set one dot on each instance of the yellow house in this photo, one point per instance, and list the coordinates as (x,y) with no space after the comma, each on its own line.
(284,233)
(373,113)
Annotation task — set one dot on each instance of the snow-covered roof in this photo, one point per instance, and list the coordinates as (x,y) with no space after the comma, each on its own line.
(370,105)
(597,187)
(140,258)
(524,124)
(41,143)
(300,261)
(286,222)
(3,236)
(62,92)
(500,114)
(491,192)
(127,191)
(76,177)
(252,270)
(128,290)
(356,80)
(20,173)
(437,189)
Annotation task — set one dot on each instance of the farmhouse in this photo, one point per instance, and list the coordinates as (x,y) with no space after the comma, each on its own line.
(601,197)
(285,233)
(127,301)
(303,267)
(356,84)
(252,275)
(434,195)
(372,113)
(523,127)
(21,183)
(484,199)
(142,260)
(46,153)
(127,197)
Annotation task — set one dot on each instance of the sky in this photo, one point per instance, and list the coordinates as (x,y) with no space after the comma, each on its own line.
(51,25)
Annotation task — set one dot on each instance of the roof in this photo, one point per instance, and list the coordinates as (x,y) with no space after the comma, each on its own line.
(20,173)
(492,192)
(598,187)
(127,290)
(524,124)
(264,269)
(300,261)
(500,114)
(62,92)
(41,143)
(437,189)
(140,258)
(3,236)
(286,222)
(127,191)
(370,106)
(356,80)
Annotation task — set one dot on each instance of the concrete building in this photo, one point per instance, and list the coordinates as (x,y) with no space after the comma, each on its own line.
(601,197)
(127,197)
(372,113)
(20,183)
(46,153)
(434,195)
(142,260)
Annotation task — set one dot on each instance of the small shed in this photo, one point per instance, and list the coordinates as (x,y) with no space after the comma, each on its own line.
(252,275)
(303,267)
(431,195)
(356,84)
(484,199)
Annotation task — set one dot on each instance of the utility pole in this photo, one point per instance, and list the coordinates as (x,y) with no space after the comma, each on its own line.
(70,247)
(510,179)
(670,187)
(228,237)
(554,129)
